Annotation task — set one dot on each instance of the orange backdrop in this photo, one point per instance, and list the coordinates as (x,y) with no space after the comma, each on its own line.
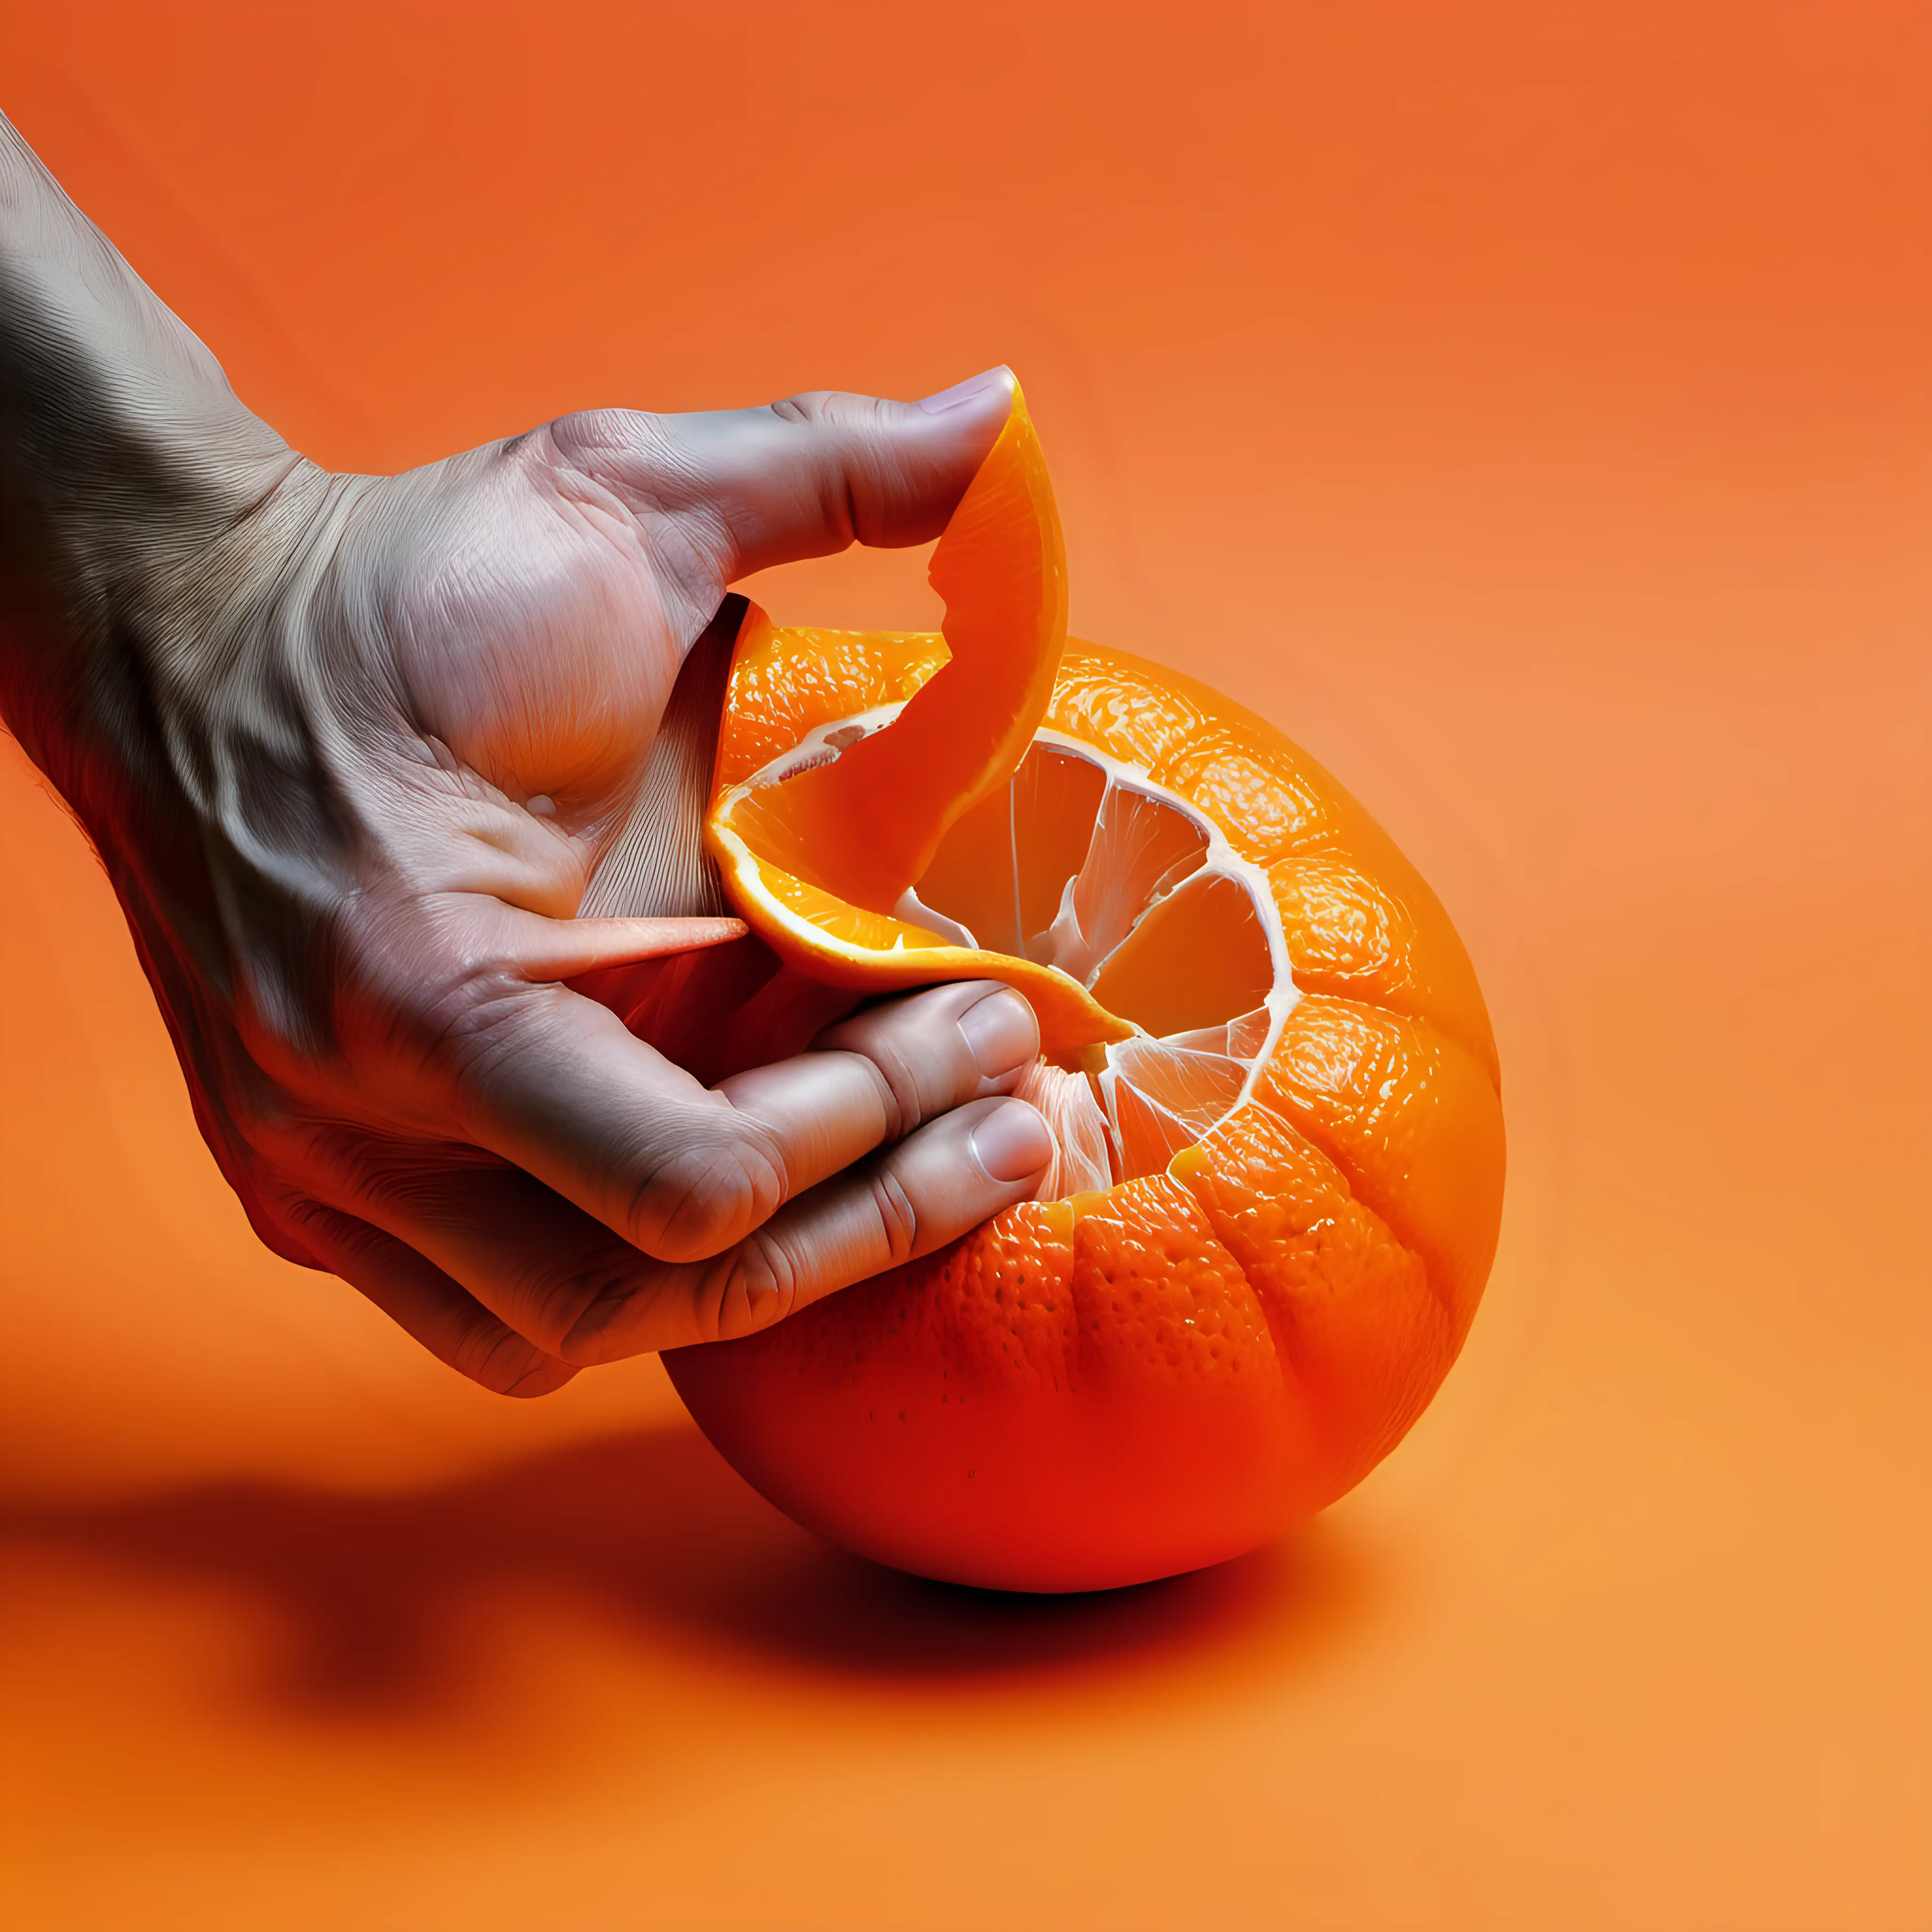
(1529,407)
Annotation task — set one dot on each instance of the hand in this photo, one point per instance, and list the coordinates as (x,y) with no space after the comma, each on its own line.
(352,748)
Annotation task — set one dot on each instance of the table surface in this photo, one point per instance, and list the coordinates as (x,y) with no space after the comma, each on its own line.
(1525,406)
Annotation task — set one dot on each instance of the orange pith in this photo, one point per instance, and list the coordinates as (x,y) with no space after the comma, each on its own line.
(1269,1068)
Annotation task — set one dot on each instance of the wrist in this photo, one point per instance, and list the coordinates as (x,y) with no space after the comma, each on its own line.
(127,467)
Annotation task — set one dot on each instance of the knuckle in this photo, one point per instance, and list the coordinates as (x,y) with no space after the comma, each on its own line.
(588,436)
(898,1217)
(704,1197)
(913,1063)
(545,1376)
(896,1086)
(498,1358)
(573,1306)
(276,1214)
(807,406)
(622,1310)
(751,1289)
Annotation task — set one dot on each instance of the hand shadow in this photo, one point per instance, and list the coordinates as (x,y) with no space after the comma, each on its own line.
(657,1533)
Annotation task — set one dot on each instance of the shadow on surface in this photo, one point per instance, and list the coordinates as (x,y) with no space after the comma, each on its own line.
(653,1531)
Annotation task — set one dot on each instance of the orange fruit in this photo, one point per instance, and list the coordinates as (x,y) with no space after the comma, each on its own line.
(1266,1063)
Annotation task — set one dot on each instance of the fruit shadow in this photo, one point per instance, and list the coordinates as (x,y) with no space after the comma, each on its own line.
(655,1534)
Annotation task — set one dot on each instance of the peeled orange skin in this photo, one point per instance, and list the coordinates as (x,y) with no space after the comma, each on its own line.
(1170,1372)
(820,863)
(1001,566)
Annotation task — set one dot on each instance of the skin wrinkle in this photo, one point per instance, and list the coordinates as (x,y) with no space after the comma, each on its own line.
(705,1198)
(461,802)
(899,1219)
(689,542)
(898,1086)
(465,1022)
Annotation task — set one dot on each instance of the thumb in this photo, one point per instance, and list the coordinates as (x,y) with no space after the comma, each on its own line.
(801,477)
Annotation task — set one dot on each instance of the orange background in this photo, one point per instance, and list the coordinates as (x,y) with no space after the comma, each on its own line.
(1528,406)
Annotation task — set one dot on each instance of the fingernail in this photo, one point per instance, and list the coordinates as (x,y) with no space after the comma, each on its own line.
(1011,1142)
(1001,1034)
(972,388)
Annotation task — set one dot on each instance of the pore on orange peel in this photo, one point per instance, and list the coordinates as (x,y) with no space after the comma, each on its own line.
(1267,1064)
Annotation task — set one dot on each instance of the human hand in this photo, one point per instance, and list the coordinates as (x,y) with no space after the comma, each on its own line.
(352,748)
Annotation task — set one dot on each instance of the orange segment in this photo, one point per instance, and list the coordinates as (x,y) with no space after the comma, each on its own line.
(1207,923)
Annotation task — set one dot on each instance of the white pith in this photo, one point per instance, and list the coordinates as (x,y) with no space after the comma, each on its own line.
(1223,1060)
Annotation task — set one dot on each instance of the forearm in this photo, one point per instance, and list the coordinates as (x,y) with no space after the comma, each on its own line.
(125,461)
